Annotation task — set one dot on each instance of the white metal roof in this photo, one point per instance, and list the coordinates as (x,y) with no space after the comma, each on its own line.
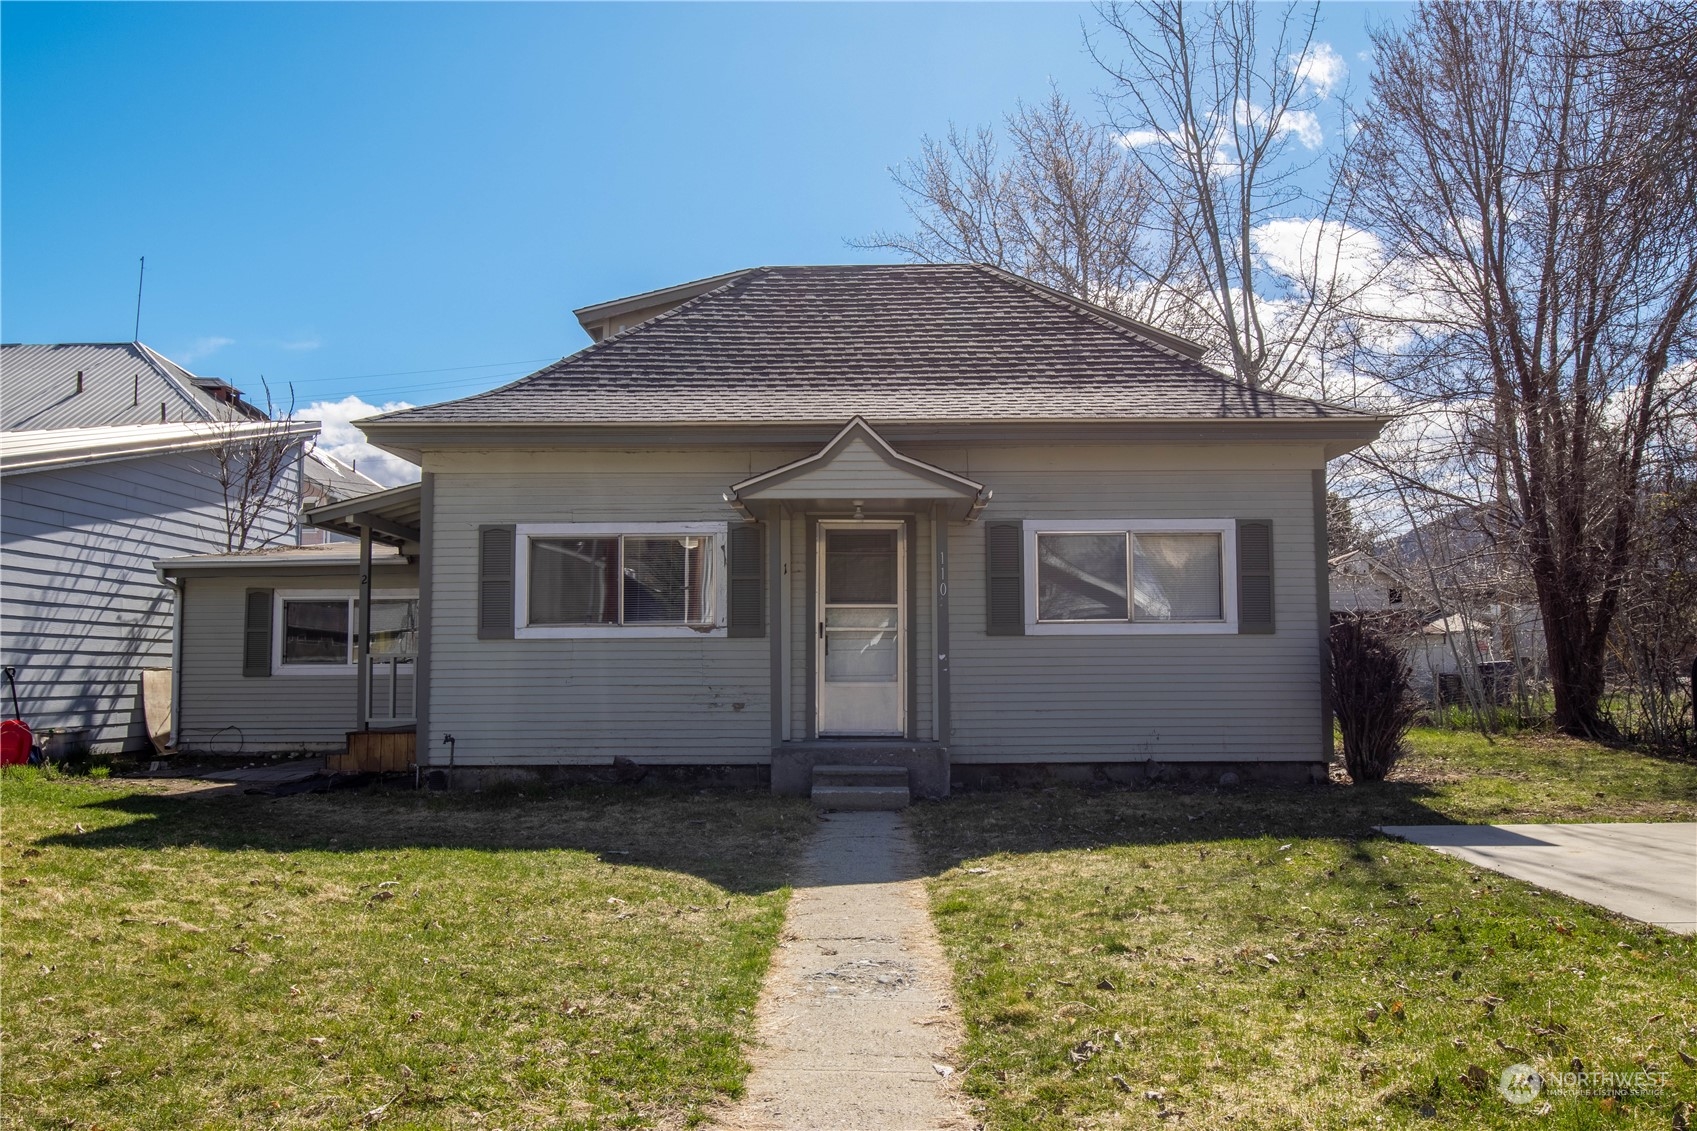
(282,557)
(70,447)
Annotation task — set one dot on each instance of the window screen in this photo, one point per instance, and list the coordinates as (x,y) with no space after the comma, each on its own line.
(574,581)
(394,628)
(316,632)
(665,579)
(1176,577)
(1081,577)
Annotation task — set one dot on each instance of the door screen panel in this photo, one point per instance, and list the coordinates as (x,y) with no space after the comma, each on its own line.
(862,660)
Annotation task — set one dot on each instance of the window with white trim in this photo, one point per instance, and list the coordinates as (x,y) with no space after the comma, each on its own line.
(317,631)
(654,579)
(1130,576)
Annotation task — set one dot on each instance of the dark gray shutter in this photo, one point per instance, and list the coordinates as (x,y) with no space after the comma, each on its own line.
(1004,579)
(256,634)
(1255,575)
(495,582)
(746,588)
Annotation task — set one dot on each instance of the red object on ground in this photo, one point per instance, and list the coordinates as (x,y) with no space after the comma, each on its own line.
(15,741)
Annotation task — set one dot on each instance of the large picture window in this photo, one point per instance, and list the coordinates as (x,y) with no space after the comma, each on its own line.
(1130,576)
(642,580)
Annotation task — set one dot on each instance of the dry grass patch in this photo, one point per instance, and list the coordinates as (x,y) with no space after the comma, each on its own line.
(1258,958)
(568,959)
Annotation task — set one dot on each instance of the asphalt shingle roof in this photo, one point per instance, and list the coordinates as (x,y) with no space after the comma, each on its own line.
(908,342)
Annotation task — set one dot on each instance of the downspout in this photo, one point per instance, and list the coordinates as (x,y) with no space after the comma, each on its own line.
(363,709)
(179,587)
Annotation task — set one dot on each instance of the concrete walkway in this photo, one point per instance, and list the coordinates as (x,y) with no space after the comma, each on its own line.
(857,1019)
(1646,872)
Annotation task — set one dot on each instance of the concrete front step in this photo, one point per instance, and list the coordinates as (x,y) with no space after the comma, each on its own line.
(894,777)
(860,796)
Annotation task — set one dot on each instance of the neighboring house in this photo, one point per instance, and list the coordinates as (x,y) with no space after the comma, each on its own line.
(1361,583)
(109,455)
(931,515)
(1447,646)
(1483,630)
(84,512)
(102,384)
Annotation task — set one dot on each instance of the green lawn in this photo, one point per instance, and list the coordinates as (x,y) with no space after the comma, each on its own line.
(1258,958)
(575,959)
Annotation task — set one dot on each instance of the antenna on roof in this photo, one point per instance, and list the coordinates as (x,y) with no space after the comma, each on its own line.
(141,277)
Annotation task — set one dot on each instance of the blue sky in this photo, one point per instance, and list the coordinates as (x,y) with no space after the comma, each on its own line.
(340,195)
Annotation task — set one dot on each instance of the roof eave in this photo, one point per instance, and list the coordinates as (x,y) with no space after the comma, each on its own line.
(58,461)
(680,292)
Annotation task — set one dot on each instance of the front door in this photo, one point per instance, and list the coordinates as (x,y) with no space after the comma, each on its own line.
(862,614)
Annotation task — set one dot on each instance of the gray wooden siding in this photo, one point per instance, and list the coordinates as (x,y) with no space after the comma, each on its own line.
(696,699)
(1014,698)
(84,611)
(228,713)
(1171,698)
(855,472)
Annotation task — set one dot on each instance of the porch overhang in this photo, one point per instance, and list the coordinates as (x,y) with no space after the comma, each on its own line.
(393,516)
(858,469)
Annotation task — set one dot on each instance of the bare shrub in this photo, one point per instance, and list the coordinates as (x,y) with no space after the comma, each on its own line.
(1370,696)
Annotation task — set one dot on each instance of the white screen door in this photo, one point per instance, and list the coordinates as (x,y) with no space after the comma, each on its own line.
(862,653)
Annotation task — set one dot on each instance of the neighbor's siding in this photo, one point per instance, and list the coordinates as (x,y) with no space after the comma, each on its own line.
(226,712)
(698,699)
(1170,698)
(83,610)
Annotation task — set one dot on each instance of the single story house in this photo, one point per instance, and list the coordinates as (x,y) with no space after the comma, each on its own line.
(935,517)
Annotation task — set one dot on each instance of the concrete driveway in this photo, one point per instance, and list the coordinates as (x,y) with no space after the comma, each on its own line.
(1646,872)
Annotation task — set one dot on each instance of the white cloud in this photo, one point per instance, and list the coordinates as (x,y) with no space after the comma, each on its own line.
(341,439)
(1320,69)
(1137,139)
(301,345)
(200,349)
(1305,124)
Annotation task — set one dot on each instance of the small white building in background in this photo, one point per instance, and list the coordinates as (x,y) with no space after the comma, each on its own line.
(1361,583)
(1491,641)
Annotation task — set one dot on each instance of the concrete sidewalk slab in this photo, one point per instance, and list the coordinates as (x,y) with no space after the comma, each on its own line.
(857,1014)
(1646,871)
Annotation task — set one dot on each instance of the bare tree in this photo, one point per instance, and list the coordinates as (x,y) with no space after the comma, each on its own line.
(1543,194)
(257,465)
(1221,106)
(1066,205)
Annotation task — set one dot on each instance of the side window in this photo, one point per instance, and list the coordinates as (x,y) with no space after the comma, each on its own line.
(317,632)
